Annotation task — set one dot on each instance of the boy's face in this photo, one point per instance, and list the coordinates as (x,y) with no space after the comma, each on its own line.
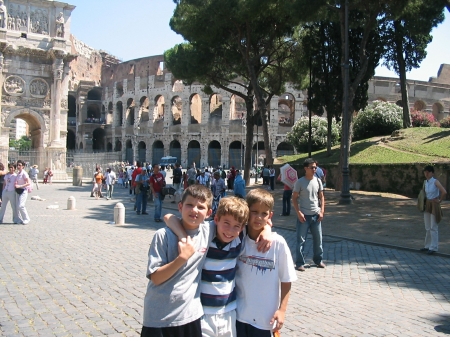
(193,212)
(259,215)
(228,228)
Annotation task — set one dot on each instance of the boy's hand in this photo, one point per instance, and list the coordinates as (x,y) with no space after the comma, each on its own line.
(186,248)
(264,240)
(279,317)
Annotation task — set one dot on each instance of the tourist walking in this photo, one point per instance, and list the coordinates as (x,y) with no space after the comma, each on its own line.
(309,203)
(9,194)
(110,180)
(272,178)
(22,185)
(157,183)
(177,176)
(34,175)
(239,186)
(3,172)
(142,188)
(432,215)
(287,196)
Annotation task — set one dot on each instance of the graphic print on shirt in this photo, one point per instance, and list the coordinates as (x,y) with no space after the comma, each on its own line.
(261,264)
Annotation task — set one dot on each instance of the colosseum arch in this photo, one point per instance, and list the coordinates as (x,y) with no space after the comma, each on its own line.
(238,109)
(109,114)
(144,103)
(175,149)
(214,153)
(98,140)
(93,113)
(129,151)
(285,149)
(109,147)
(158,152)
(215,105)
(130,112)
(71,140)
(194,153)
(286,109)
(118,145)
(94,94)
(72,107)
(142,152)
(236,154)
(119,113)
(195,102)
(176,109)
(158,111)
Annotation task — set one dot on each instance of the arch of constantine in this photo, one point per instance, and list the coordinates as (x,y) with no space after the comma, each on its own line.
(78,99)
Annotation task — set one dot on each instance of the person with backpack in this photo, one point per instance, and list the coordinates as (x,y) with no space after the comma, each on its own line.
(177,176)
(157,183)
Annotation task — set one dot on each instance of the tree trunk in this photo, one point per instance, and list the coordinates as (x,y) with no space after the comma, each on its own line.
(249,137)
(402,74)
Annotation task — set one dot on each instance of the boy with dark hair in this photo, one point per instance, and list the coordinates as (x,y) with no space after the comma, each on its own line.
(263,280)
(172,304)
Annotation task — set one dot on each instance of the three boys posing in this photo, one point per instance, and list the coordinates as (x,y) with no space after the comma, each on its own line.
(173,302)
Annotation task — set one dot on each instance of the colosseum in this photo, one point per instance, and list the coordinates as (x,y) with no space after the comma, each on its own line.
(79,100)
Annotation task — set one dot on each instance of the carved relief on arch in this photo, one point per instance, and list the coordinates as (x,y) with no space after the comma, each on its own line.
(14,85)
(38,88)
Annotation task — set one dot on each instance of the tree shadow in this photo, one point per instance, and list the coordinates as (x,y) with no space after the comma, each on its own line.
(438,135)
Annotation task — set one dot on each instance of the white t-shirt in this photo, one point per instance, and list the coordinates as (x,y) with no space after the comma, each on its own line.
(258,280)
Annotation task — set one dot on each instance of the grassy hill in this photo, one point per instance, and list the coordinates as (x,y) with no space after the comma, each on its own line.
(415,145)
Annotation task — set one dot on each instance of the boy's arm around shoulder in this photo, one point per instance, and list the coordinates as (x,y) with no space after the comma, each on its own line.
(160,269)
(174,223)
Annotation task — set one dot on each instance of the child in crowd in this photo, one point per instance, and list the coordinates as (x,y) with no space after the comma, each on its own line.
(172,304)
(263,280)
(217,285)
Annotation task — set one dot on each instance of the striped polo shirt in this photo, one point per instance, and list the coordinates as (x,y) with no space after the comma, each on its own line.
(217,291)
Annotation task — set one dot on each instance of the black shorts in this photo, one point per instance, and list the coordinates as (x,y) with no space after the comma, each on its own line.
(247,330)
(193,329)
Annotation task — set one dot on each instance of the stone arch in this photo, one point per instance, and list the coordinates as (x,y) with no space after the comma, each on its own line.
(36,125)
(158,111)
(98,140)
(71,140)
(285,149)
(109,147)
(119,109)
(286,109)
(130,112)
(158,152)
(194,153)
(235,154)
(129,151)
(214,153)
(215,105)
(176,109)
(118,145)
(144,103)
(438,111)
(81,146)
(195,102)
(142,149)
(175,150)
(238,109)
(110,108)
(93,113)
(94,94)
(119,89)
(420,105)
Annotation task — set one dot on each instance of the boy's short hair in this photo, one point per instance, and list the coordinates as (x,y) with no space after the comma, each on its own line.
(309,161)
(235,207)
(199,192)
(258,195)
(429,168)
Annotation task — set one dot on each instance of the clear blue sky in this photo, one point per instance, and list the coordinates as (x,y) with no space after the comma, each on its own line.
(137,28)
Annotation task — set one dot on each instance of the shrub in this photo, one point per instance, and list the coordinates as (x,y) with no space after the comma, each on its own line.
(423,119)
(445,123)
(299,134)
(377,119)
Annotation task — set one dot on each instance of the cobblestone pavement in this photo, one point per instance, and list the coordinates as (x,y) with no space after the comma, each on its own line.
(73,273)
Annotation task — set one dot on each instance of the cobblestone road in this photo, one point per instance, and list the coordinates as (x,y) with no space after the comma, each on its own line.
(73,273)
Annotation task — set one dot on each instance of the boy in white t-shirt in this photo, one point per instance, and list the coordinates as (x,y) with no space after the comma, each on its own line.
(263,280)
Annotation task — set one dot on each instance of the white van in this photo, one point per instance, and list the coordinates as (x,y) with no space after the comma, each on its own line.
(168,162)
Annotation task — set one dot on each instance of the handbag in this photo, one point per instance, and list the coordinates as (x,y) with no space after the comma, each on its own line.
(422,198)
(19,190)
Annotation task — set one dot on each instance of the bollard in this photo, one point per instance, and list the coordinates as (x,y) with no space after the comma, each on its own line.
(119,214)
(71,203)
